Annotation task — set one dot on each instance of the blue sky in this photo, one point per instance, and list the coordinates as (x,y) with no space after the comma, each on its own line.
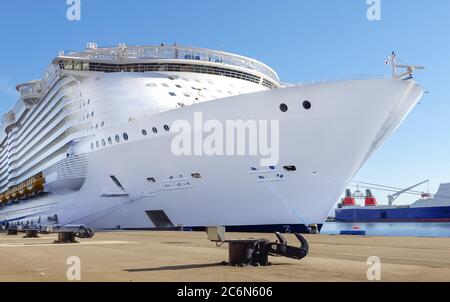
(302,40)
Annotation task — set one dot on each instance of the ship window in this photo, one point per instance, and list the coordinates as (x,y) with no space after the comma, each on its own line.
(110,141)
(172,93)
(144,132)
(166,128)
(103,124)
(116,182)
(97,144)
(92,113)
(103,143)
(290,168)
(125,136)
(92,146)
(178,86)
(151,179)
(155,130)
(96,126)
(89,101)
(187,95)
(196,175)
(117,138)
(307,105)
(283,107)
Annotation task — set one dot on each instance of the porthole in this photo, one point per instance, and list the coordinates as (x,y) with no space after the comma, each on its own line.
(92,146)
(172,93)
(103,143)
(97,144)
(92,113)
(283,107)
(117,138)
(144,132)
(125,136)
(166,128)
(307,105)
(103,124)
(155,130)
(110,141)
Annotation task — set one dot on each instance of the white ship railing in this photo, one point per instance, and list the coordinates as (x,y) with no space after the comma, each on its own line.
(123,52)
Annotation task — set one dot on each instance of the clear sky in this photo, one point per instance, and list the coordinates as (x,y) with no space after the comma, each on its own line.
(302,40)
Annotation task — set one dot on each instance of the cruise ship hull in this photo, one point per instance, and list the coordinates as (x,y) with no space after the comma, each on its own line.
(234,191)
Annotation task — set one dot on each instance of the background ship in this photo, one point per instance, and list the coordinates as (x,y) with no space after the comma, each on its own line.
(427,209)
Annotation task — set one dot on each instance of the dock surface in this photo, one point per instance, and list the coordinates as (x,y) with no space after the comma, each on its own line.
(188,256)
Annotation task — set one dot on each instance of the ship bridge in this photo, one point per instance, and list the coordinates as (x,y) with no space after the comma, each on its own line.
(163,58)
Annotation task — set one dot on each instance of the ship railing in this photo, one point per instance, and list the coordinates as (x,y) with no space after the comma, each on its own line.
(173,52)
(337,79)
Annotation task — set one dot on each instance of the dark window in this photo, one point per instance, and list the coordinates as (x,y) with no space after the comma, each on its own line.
(196,175)
(97,144)
(103,143)
(283,107)
(172,93)
(92,146)
(307,105)
(125,136)
(144,132)
(151,179)
(166,128)
(155,130)
(290,168)
(117,138)
(109,140)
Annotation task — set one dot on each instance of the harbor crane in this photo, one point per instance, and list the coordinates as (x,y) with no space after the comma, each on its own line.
(393,197)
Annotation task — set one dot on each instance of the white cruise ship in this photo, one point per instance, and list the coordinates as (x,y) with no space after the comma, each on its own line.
(91,142)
